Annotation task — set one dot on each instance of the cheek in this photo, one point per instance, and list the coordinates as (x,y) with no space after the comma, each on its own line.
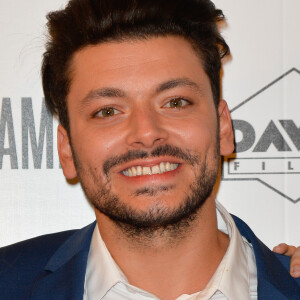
(92,148)
(92,140)
(197,134)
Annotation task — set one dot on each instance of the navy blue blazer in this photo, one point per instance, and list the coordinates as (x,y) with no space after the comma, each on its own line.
(53,267)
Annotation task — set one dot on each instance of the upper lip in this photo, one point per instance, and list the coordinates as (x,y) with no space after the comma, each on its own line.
(148,162)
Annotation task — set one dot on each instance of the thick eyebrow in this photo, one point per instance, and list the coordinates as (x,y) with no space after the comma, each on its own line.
(110,92)
(173,83)
(106,92)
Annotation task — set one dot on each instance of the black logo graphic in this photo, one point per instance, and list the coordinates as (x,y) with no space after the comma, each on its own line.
(267,136)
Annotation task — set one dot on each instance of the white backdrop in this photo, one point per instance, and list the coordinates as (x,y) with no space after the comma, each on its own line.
(261,84)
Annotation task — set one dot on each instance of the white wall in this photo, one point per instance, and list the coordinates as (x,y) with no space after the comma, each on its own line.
(264,39)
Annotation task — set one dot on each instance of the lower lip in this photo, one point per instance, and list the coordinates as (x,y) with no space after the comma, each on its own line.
(152,178)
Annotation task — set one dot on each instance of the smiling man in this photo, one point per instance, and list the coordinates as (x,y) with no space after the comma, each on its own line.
(136,87)
(143,135)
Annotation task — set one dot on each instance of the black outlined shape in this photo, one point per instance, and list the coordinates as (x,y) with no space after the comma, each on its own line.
(224,160)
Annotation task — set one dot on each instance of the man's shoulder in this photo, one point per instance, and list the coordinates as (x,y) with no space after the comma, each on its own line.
(272,269)
(23,262)
(43,245)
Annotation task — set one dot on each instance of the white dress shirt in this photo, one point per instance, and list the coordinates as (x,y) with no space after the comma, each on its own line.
(234,279)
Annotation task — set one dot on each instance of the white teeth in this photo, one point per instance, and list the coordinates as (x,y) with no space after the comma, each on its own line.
(162,167)
(133,170)
(168,166)
(139,170)
(157,169)
(173,167)
(147,171)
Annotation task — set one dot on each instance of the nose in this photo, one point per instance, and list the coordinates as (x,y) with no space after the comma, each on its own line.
(146,129)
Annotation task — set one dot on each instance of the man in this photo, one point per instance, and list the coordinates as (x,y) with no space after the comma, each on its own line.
(136,87)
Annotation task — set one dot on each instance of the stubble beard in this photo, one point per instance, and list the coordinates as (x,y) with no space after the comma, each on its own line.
(159,220)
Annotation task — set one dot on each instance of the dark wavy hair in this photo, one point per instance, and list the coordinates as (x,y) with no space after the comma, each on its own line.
(90,22)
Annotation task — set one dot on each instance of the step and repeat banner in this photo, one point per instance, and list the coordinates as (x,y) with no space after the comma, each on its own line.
(261,83)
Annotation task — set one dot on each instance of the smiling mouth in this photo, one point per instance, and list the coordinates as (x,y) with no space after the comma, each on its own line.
(161,168)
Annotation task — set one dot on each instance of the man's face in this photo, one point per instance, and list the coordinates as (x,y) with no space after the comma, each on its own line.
(144,130)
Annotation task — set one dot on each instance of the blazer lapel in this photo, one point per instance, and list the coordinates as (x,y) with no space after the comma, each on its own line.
(274,280)
(65,271)
(64,274)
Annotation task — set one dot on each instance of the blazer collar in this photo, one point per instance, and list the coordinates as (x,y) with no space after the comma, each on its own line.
(65,271)
(273,278)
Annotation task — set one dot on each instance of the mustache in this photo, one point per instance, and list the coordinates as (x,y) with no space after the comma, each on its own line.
(159,151)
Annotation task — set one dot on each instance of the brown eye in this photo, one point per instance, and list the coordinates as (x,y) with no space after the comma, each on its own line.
(107,112)
(176,103)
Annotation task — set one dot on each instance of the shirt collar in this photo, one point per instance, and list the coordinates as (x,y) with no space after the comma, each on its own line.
(231,277)
(234,281)
(102,272)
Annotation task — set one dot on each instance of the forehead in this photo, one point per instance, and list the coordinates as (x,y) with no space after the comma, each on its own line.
(136,65)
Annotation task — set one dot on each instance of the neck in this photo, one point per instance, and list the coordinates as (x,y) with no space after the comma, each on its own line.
(188,259)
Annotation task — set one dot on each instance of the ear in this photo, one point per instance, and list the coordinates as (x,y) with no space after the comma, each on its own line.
(226,131)
(65,153)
